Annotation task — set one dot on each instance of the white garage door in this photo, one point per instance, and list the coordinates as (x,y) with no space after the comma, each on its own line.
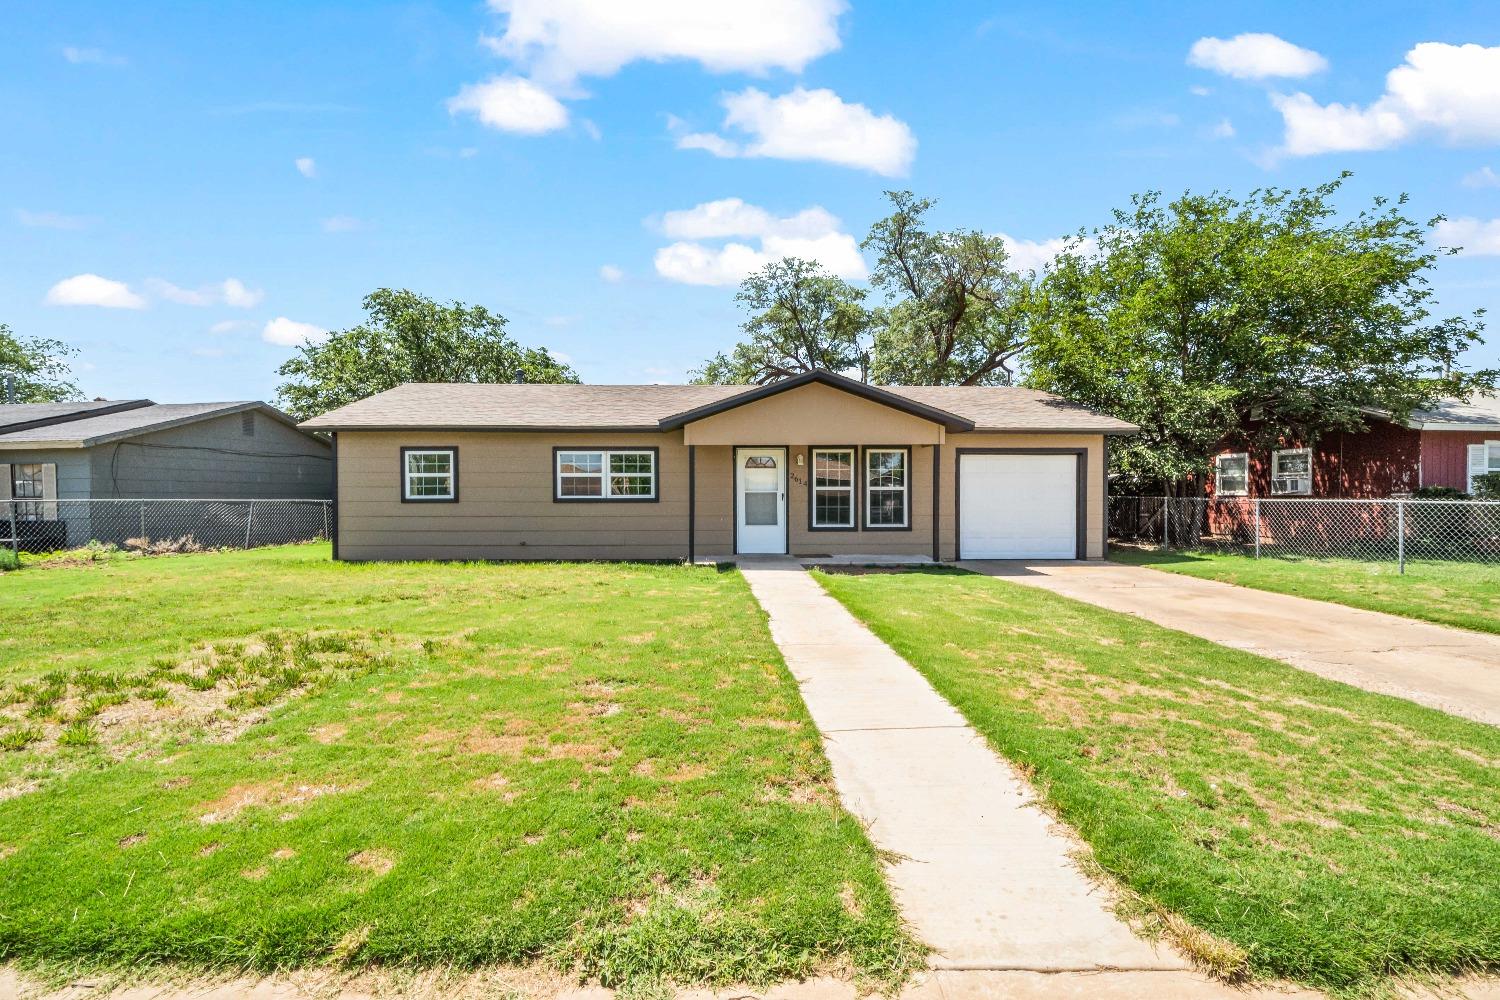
(1018,506)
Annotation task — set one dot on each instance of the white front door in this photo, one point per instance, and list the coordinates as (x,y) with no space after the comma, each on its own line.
(760,500)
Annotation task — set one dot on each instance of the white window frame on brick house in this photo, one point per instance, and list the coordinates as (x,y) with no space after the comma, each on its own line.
(1291,486)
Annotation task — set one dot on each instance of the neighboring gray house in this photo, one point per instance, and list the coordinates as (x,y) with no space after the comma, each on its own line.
(137,449)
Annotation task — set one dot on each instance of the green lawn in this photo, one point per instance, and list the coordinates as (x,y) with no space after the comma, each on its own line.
(265,759)
(1463,594)
(1337,836)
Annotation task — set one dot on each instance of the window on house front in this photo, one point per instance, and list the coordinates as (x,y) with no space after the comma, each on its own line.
(429,474)
(886,488)
(1291,471)
(833,488)
(27,484)
(1232,474)
(1482,458)
(626,474)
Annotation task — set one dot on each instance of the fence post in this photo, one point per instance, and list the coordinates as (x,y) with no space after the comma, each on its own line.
(15,530)
(1400,537)
(1166,522)
(249,521)
(325,520)
(1257,527)
(143,522)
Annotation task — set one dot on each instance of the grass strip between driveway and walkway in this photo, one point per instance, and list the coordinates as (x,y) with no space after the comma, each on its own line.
(1338,837)
(1464,595)
(263,760)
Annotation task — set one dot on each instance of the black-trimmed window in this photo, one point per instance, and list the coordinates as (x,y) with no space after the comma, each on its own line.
(429,475)
(604,474)
(833,488)
(887,487)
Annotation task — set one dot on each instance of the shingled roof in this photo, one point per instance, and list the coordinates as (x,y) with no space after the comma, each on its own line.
(529,407)
(89,427)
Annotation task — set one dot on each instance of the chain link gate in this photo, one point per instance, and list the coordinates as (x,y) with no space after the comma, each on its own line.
(1398,531)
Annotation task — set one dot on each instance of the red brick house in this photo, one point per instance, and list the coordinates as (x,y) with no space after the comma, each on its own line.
(1445,446)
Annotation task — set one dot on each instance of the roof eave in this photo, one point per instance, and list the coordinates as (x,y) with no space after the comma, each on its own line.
(874,394)
(460,428)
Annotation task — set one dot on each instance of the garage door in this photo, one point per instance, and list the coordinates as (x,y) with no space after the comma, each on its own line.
(1018,506)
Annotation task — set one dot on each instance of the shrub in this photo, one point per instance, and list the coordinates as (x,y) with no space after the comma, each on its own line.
(1438,493)
(1487,486)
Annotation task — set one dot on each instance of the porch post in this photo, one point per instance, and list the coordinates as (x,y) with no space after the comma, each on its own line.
(937,507)
(692,502)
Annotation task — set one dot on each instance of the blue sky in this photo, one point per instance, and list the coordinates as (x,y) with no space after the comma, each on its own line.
(187,188)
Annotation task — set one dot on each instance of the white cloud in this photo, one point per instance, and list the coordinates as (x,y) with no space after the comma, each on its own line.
(1198,90)
(1255,56)
(341,224)
(559,41)
(1223,130)
(611,274)
(1448,91)
(1484,177)
(95,57)
(229,292)
(1478,237)
(810,125)
(92,290)
(290,333)
(1037,255)
(306,166)
(590,129)
(511,104)
(230,326)
(812,234)
(52,220)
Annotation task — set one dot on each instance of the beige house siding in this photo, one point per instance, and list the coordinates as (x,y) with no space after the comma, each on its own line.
(506,510)
(812,414)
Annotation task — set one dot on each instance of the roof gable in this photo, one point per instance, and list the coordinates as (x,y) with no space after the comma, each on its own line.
(874,394)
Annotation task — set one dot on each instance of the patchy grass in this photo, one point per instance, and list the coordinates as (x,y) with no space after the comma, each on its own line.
(1466,595)
(265,760)
(1338,837)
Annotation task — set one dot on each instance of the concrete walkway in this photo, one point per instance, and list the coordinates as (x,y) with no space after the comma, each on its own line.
(984,877)
(1444,668)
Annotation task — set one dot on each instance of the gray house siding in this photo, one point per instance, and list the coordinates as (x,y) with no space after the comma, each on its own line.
(216,459)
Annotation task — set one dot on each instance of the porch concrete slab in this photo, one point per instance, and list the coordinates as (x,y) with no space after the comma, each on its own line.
(1448,669)
(981,873)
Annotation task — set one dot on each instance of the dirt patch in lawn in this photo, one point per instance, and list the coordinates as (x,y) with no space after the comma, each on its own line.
(211,693)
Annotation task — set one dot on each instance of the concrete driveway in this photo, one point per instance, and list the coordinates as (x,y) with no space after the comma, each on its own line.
(1444,668)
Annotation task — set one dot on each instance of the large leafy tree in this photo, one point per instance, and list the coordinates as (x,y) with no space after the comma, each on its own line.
(408,337)
(1210,319)
(958,314)
(801,318)
(35,369)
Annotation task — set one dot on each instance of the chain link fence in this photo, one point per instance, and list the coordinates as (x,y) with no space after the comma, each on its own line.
(156,526)
(1396,531)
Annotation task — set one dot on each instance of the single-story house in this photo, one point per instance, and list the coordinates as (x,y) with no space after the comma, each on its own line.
(1447,445)
(113,450)
(815,465)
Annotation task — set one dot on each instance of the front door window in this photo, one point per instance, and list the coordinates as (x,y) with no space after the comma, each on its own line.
(760,480)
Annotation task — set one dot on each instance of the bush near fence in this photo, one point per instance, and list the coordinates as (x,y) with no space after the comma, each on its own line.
(162,525)
(1397,529)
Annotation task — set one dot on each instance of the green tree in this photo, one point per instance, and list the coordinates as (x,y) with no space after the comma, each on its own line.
(957,314)
(801,318)
(37,368)
(1210,320)
(408,337)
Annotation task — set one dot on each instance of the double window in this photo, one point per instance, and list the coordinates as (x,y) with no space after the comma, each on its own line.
(429,475)
(1232,474)
(887,490)
(604,474)
(843,478)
